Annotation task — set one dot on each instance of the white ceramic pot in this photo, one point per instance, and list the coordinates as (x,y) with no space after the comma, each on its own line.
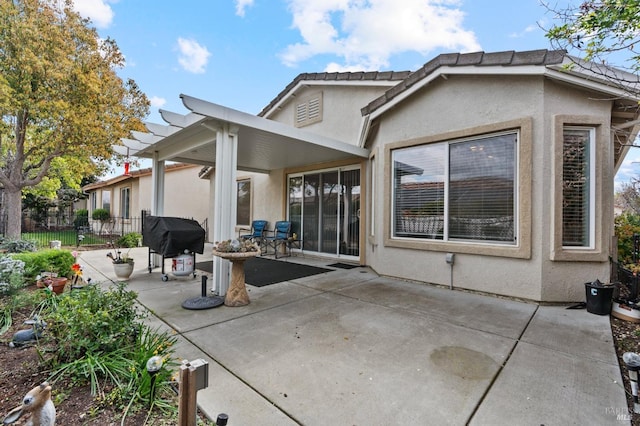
(123,270)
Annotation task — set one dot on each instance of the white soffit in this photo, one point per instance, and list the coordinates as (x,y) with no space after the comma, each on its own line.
(263,145)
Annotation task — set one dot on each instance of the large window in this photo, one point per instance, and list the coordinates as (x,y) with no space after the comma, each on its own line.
(458,190)
(243,210)
(578,177)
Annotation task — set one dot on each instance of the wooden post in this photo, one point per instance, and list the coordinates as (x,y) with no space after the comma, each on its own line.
(187,402)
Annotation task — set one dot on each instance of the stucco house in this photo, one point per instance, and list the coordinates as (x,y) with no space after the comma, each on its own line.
(127,195)
(490,172)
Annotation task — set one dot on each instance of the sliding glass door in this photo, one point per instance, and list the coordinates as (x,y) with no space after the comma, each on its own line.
(324,208)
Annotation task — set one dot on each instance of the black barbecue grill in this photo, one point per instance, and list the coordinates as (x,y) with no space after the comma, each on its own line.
(172,237)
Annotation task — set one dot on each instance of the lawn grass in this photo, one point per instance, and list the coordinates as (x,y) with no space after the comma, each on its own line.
(68,238)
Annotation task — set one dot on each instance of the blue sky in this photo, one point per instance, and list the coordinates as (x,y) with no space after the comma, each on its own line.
(242,53)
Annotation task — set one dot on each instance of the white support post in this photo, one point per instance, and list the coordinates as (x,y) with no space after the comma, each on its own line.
(157,196)
(224,203)
(157,186)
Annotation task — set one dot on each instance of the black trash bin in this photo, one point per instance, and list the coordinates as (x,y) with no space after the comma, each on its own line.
(599,297)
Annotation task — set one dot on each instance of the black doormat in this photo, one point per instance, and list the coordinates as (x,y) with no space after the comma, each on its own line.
(342,265)
(260,272)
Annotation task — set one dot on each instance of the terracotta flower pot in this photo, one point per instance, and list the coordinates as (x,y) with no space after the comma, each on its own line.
(57,284)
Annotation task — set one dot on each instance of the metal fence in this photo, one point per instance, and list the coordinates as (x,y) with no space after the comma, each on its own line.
(627,282)
(71,230)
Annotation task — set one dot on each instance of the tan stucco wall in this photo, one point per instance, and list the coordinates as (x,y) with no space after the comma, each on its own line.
(564,272)
(341,118)
(468,104)
(266,196)
(267,202)
(185,195)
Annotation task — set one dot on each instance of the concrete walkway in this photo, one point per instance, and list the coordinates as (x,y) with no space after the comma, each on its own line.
(349,347)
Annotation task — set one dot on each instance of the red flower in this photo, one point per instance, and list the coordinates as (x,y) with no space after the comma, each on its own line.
(77,269)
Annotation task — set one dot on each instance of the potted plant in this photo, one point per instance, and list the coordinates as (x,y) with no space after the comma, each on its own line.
(48,268)
(122,263)
(51,281)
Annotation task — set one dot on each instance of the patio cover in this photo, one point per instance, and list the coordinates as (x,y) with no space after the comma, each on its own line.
(263,144)
(229,140)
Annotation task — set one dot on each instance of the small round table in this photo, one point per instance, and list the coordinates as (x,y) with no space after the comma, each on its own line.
(237,293)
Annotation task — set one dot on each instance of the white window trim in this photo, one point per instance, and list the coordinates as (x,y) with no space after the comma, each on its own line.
(599,252)
(592,187)
(122,191)
(239,180)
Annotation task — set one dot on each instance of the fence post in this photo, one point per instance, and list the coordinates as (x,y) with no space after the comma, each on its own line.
(193,376)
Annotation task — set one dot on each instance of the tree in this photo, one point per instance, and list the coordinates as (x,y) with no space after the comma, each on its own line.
(60,97)
(603,32)
(628,197)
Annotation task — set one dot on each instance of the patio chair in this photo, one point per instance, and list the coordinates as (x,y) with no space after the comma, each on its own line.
(278,237)
(257,230)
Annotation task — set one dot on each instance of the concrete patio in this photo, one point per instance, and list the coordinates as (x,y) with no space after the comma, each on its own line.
(349,347)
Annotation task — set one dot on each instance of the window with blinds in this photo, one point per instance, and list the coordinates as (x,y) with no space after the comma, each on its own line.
(462,190)
(577,187)
(308,110)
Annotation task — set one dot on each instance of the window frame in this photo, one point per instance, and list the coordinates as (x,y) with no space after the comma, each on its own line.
(106,205)
(250,207)
(446,150)
(591,190)
(600,217)
(125,215)
(522,201)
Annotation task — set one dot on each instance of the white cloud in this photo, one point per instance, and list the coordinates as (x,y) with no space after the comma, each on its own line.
(529,29)
(193,56)
(241,5)
(366,33)
(629,168)
(99,11)
(157,102)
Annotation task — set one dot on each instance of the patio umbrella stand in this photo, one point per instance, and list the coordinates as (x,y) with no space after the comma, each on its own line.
(204,301)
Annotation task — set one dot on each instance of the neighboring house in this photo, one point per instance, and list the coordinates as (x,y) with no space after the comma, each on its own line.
(126,196)
(505,160)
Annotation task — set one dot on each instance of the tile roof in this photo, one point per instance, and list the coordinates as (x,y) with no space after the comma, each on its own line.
(541,57)
(336,76)
(407,79)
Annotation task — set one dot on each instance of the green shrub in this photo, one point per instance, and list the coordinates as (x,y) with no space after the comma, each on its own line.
(11,275)
(50,260)
(129,240)
(626,226)
(101,215)
(17,246)
(82,218)
(99,337)
(94,321)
